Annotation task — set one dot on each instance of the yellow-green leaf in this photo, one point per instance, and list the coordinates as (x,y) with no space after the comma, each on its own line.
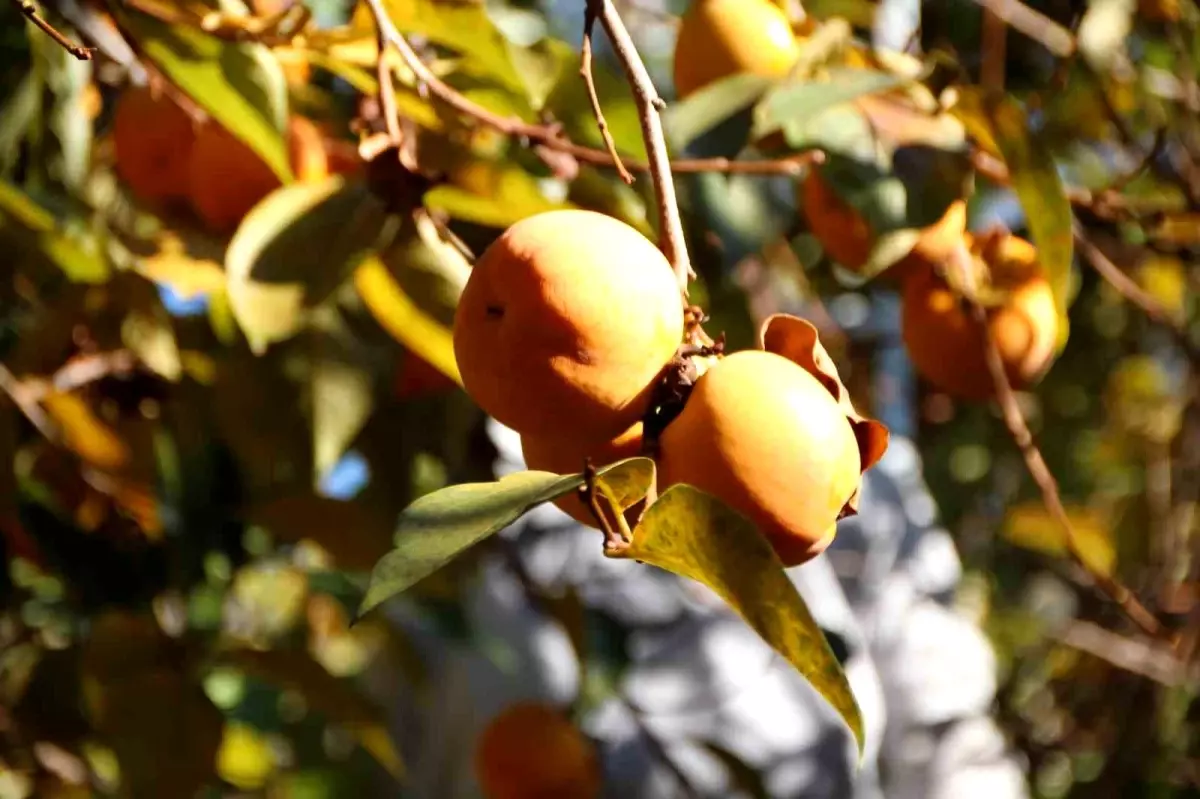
(439,526)
(494,194)
(77,260)
(1030,526)
(294,248)
(688,119)
(693,534)
(791,100)
(239,83)
(1036,181)
(396,313)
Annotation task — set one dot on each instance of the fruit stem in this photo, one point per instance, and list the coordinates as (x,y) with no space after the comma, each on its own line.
(1014,419)
(649,104)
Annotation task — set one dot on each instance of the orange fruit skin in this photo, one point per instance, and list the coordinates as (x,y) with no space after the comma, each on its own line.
(226,178)
(565,324)
(718,38)
(847,237)
(946,344)
(765,436)
(152,142)
(566,454)
(532,751)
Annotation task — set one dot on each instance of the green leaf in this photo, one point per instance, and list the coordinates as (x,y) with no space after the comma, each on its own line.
(790,100)
(294,248)
(239,83)
(80,259)
(438,526)
(693,534)
(335,698)
(1036,181)
(687,120)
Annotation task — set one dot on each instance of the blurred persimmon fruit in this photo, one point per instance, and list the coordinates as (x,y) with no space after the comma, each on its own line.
(152,140)
(718,38)
(946,343)
(531,750)
(847,236)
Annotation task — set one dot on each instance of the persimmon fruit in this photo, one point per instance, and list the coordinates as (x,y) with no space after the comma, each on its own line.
(768,438)
(565,454)
(226,178)
(718,38)
(847,236)
(946,343)
(532,751)
(152,143)
(565,324)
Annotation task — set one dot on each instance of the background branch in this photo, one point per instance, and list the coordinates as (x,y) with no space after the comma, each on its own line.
(30,10)
(551,136)
(1014,419)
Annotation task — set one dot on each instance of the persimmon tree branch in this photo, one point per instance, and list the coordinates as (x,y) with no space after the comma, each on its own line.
(585,70)
(551,136)
(30,10)
(1022,436)
(650,106)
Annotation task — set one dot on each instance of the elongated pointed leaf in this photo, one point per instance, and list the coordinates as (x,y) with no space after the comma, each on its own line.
(439,526)
(1036,181)
(687,120)
(802,100)
(294,248)
(693,534)
(81,259)
(239,83)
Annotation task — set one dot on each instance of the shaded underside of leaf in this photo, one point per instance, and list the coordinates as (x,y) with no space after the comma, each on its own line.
(693,534)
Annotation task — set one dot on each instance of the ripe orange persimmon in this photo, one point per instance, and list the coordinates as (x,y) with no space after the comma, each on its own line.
(847,237)
(718,38)
(945,342)
(565,455)
(768,438)
(565,324)
(152,142)
(532,751)
(226,178)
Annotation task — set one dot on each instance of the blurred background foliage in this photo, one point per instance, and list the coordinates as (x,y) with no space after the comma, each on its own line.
(207,430)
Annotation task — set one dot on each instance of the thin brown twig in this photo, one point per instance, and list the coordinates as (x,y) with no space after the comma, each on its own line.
(1034,24)
(649,104)
(30,10)
(1014,419)
(1128,288)
(387,90)
(585,70)
(1145,658)
(551,136)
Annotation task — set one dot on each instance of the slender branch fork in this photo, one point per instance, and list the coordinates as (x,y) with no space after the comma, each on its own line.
(30,10)
(551,136)
(1018,427)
